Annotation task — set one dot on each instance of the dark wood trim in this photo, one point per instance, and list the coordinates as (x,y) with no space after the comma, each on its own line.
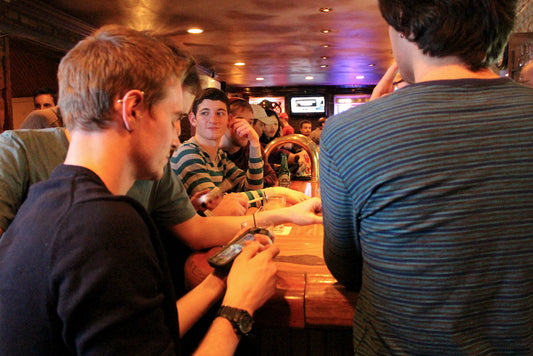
(41,23)
(6,67)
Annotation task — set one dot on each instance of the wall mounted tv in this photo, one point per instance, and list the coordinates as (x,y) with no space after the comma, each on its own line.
(308,104)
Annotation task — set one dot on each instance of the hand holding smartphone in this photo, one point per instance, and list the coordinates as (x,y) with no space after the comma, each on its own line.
(223,259)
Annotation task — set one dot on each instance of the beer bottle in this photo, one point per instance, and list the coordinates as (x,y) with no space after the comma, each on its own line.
(284,175)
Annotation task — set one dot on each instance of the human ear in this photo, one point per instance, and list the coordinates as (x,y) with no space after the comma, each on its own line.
(130,106)
(192,119)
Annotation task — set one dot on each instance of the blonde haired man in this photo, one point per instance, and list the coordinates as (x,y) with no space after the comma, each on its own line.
(82,269)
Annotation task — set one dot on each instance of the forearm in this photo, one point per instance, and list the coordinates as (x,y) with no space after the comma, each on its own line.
(254,173)
(205,232)
(192,306)
(221,329)
(292,196)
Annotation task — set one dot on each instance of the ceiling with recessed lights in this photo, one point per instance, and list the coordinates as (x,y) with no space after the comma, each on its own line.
(276,42)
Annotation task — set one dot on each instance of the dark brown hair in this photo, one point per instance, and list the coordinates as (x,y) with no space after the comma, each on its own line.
(475,31)
(210,94)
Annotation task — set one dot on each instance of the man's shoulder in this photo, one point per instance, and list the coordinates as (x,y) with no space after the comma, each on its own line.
(190,144)
(186,148)
(39,119)
(30,135)
(87,189)
(32,143)
(188,153)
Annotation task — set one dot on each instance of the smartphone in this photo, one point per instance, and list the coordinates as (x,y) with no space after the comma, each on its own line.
(223,259)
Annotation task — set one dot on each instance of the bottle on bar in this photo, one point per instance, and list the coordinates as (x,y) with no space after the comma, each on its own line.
(284,175)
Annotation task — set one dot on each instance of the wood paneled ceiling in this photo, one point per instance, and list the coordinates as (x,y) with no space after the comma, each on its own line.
(279,40)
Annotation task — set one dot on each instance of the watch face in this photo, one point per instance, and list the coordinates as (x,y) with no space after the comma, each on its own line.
(245,324)
(240,319)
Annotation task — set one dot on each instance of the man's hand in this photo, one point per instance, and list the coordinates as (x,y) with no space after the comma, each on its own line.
(305,213)
(243,129)
(195,199)
(252,278)
(385,86)
(233,204)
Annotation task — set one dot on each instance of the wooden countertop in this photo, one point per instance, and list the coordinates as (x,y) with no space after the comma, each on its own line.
(307,294)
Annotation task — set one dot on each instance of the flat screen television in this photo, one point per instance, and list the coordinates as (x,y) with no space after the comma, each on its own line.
(308,105)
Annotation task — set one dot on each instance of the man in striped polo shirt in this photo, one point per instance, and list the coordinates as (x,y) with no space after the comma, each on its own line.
(427,192)
(201,163)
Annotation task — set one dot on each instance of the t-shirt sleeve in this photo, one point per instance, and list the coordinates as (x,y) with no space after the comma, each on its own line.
(14,178)
(26,157)
(169,203)
(341,252)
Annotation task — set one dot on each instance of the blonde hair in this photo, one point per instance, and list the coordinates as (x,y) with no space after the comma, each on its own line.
(105,66)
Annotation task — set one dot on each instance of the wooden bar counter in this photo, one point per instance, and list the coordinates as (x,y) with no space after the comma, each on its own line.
(307,296)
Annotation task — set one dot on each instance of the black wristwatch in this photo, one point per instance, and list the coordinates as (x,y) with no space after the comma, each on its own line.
(240,319)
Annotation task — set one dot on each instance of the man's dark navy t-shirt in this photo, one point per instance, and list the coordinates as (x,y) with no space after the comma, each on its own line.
(83,271)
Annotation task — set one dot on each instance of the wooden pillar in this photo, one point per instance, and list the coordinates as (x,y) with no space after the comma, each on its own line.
(6,122)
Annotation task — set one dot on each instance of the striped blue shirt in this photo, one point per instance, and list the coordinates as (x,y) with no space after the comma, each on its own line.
(427,199)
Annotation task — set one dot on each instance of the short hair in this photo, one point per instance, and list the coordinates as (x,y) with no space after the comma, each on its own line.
(45,91)
(239,104)
(105,66)
(210,94)
(475,31)
(302,122)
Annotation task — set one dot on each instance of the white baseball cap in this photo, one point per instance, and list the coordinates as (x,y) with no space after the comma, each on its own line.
(260,114)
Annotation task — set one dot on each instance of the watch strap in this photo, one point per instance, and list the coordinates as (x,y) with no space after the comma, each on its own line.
(240,319)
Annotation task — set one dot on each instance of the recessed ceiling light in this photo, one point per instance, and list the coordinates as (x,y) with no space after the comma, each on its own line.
(325,45)
(309,77)
(326,9)
(324,57)
(360,77)
(372,65)
(326,30)
(259,78)
(195,30)
(324,66)
(240,63)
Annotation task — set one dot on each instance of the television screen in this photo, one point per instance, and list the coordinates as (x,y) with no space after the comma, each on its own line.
(308,104)
(344,102)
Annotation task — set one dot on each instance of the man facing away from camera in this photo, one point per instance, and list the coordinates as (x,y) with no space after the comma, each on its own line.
(427,192)
(82,269)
